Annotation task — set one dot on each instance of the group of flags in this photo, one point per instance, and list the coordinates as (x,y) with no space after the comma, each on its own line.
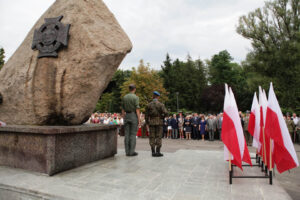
(268,128)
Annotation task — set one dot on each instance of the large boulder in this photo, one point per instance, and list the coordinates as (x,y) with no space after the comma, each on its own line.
(64,90)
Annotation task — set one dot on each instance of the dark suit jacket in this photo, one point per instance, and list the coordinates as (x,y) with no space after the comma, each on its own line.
(195,121)
(174,123)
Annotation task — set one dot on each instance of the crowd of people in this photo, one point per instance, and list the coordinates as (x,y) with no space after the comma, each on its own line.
(106,118)
(293,125)
(193,126)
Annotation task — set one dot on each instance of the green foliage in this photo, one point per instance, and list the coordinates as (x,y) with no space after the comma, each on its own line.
(2,56)
(188,78)
(275,36)
(105,103)
(286,111)
(146,81)
(222,70)
(110,99)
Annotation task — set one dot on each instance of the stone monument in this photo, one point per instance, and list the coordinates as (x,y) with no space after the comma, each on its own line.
(51,84)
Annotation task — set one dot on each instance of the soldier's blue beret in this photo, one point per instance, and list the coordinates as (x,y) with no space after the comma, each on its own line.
(156,93)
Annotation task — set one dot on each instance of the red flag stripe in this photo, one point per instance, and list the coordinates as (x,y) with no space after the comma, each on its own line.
(246,157)
(229,138)
(251,125)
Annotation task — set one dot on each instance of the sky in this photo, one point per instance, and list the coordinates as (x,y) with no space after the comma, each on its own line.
(200,28)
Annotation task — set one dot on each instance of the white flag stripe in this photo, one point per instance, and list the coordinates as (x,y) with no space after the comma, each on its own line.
(234,115)
(264,105)
(256,110)
(226,105)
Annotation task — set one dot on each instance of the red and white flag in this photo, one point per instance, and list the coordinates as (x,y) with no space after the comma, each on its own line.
(284,153)
(254,122)
(232,132)
(263,102)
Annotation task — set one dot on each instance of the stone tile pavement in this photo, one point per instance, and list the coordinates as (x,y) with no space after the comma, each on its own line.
(182,175)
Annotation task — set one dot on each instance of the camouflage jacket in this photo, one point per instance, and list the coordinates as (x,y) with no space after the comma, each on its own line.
(290,125)
(155,113)
(246,123)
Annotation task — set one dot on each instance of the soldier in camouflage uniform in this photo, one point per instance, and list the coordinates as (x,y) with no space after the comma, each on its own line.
(248,136)
(155,113)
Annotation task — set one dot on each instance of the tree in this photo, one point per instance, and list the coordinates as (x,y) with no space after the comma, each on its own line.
(222,70)
(212,98)
(1,57)
(188,78)
(146,80)
(105,103)
(110,99)
(275,38)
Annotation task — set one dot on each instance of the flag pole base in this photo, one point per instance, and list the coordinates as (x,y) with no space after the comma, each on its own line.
(266,170)
(270,176)
(247,165)
(230,177)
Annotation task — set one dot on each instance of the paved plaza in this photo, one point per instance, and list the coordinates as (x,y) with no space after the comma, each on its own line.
(190,172)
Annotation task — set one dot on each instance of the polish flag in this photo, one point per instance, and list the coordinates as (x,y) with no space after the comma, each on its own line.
(267,137)
(254,122)
(263,102)
(284,153)
(232,132)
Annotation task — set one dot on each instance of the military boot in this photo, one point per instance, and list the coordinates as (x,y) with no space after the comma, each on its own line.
(153,151)
(158,154)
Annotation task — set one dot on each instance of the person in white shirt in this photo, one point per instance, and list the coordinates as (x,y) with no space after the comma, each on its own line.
(295,119)
(106,120)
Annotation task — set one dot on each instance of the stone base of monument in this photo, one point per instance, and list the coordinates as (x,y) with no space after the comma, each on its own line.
(53,149)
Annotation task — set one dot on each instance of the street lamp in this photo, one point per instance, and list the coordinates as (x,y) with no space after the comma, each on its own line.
(177,93)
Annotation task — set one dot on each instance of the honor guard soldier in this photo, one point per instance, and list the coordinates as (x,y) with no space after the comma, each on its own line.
(154,116)
(131,111)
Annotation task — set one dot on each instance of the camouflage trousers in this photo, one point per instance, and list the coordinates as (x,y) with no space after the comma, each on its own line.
(155,135)
(248,137)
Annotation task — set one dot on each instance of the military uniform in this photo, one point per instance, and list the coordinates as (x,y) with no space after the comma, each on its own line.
(154,115)
(248,136)
(298,130)
(291,127)
(129,104)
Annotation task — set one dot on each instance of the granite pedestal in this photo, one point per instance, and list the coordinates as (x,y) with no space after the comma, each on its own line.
(52,149)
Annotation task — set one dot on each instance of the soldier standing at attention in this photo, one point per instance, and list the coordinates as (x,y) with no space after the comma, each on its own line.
(131,111)
(245,128)
(155,113)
